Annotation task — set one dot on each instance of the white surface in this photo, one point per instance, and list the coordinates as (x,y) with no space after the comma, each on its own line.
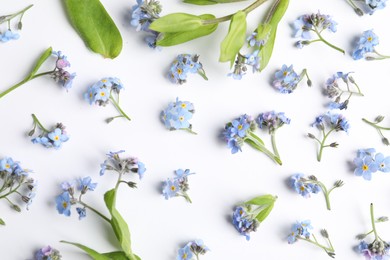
(160,227)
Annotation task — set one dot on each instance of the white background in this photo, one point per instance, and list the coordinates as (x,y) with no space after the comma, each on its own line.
(222,180)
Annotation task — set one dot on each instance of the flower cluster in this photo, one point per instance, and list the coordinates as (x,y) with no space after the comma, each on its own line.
(316,23)
(366,45)
(177,186)
(368,162)
(367,6)
(67,198)
(327,123)
(9,34)
(306,186)
(242,130)
(377,249)
(49,138)
(142,15)
(177,115)
(103,92)
(47,253)
(286,79)
(127,165)
(196,247)
(242,61)
(248,215)
(379,128)
(333,90)
(183,64)
(301,231)
(14,180)
(60,74)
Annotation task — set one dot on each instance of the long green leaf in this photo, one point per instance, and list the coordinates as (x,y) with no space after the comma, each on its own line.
(40,61)
(265,212)
(117,255)
(118,224)
(235,38)
(95,26)
(92,253)
(2,222)
(170,39)
(262,200)
(176,22)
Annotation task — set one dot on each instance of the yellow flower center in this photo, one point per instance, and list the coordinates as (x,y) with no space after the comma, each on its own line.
(179,71)
(184,256)
(102,94)
(382,165)
(302,188)
(183,105)
(104,80)
(7,166)
(181,118)
(365,167)
(239,127)
(64,204)
(56,138)
(369,39)
(173,188)
(285,73)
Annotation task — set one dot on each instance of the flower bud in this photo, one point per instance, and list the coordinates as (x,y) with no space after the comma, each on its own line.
(379,119)
(311,136)
(31,132)
(16,207)
(385,141)
(358,11)
(324,233)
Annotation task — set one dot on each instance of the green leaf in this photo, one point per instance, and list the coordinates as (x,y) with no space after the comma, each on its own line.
(176,22)
(117,255)
(266,50)
(235,38)
(40,61)
(265,203)
(2,222)
(95,26)
(263,31)
(118,224)
(170,39)
(92,253)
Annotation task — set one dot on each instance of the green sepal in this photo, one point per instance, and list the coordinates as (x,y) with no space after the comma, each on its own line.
(40,61)
(2,222)
(175,38)
(235,38)
(266,50)
(118,224)
(176,22)
(210,2)
(266,204)
(92,253)
(95,26)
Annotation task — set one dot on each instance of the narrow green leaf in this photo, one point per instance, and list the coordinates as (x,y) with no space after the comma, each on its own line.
(235,38)
(117,255)
(263,31)
(40,61)
(176,22)
(118,224)
(2,222)
(92,253)
(266,50)
(170,39)
(279,12)
(95,26)
(265,212)
(262,200)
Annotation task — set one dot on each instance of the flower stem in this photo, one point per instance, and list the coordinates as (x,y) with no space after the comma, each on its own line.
(116,104)
(273,141)
(11,16)
(226,18)
(375,125)
(260,146)
(188,130)
(373,220)
(95,211)
(185,195)
(328,43)
(39,123)
(327,249)
(319,156)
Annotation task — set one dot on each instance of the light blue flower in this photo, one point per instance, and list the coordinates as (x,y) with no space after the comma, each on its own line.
(8,35)
(141,169)
(177,114)
(253,59)
(361,153)
(86,184)
(243,223)
(365,167)
(240,126)
(376,5)
(47,253)
(302,27)
(382,162)
(299,229)
(170,188)
(286,79)
(7,164)
(366,44)
(63,203)
(57,137)
(82,213)
(183,64)
(184,253)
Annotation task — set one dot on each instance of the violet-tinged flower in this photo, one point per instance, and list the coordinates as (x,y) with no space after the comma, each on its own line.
(272,120)
(47,253)
(243,222)
(82,212)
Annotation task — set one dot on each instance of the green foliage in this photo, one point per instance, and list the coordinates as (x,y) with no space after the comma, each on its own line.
(210,2)
(265,203)
(95,26)
(92,253)
(235,38)
(176,22)
(40,61)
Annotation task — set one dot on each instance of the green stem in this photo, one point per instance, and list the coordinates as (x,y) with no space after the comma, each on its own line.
(95,211)
(39,123)
(10,192)
(327,249)
(188,130)
(373,220)
(319,156)
(119,108)
(260,147)
(273,141)
(357,10)
(375,125)
(381,55)
(226,18)
(185,195)
(328,43)
(11,16)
